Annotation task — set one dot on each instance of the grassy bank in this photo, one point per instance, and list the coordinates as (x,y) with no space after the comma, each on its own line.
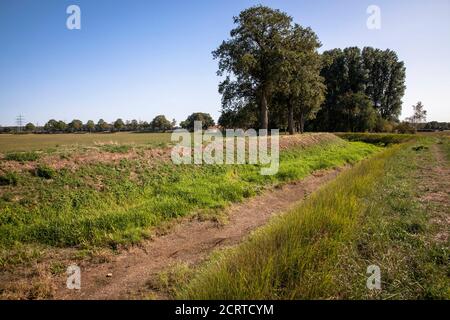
(383,139)
(114,203)
(370,215)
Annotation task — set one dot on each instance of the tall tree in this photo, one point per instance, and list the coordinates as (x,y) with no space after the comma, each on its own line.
(253,56)
(302,88)
(386,81)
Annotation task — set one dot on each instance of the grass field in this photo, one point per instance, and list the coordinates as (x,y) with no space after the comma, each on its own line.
(33,142)
(92,195)
(372,215)
(114,203)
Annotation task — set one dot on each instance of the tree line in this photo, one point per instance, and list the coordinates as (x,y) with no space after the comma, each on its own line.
(159,124)
(274,77)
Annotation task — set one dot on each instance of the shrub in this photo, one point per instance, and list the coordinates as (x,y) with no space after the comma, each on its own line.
(44,172)
(405,127)
(9,179)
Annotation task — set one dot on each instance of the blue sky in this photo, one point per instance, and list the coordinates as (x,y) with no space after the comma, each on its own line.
(137,59)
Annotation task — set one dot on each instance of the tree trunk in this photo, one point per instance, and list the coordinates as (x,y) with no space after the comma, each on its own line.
(263,112)
(302,123)
(291,128)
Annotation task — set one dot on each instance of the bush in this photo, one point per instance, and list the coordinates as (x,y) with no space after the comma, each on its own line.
(405,127)
(9,179)
(44,172)
(22,156)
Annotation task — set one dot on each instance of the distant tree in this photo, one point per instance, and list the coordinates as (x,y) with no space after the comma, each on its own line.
(30,127)
(62,126)
(90,125)
(51,126)
(419,114)
(405,127)
(119,124)
(134,125)
(75,125)
(173,123)
(102,125)
(205,118)
(160,123)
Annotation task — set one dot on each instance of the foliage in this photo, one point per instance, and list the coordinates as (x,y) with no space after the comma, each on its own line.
(30,127)
(45,172)
(405,127)
(205,118)
(252,58)
(371,72)
(160,123)
(22,156)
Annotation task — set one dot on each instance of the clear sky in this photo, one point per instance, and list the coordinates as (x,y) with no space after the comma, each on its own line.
(137,59)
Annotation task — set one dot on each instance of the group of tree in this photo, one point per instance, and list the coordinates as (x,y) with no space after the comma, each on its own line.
(158,124)
(274,77)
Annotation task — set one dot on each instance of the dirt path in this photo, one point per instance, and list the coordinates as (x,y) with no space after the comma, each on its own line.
(190,241)
(435,188)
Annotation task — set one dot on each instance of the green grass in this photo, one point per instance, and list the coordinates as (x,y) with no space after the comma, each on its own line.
(22,156)
(33,142)
(383,139)
(110,204)
(321,249)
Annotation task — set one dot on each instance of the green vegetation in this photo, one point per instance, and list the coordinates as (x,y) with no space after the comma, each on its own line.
(116,148)
(321,249)
(22,156)
(113,203)
(383,139)
(9,179)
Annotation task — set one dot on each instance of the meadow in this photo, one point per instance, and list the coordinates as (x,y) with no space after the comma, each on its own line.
(34,142)
(111,203)
(89,196)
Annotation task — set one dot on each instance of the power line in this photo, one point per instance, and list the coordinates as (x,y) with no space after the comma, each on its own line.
(19,121)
